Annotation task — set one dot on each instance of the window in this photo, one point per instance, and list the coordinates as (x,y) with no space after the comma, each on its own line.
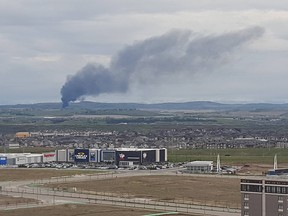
(246,205)
(278,189)
(246,213)
(268,189)
(246,196)
(280,199)
(251,188)
(280,207)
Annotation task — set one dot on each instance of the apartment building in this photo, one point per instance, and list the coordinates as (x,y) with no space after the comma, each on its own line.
(264,197)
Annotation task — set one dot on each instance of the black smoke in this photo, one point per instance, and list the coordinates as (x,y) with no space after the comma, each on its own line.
(176,52)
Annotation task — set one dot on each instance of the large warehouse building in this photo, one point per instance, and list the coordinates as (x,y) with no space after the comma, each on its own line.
(140,156)
(117,156)
(120,157)
(25,158)
(199,167)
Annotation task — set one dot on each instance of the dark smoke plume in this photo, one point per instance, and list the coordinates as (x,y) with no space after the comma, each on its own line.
(176,52)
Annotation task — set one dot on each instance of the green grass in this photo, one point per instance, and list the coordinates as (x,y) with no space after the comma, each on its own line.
(230,156)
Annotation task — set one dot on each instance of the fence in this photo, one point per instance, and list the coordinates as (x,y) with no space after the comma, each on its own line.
(124,200)
(101,176)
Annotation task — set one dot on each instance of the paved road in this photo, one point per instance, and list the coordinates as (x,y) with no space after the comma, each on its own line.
(50,197)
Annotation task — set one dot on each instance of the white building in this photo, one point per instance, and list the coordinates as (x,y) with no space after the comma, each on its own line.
(26,158)
(199,166)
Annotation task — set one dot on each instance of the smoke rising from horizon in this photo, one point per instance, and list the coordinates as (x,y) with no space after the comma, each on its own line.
(176,52)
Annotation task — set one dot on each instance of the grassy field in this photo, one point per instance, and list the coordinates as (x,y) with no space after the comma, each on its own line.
(231,156)
(35,174)
(219,191)
(78,210)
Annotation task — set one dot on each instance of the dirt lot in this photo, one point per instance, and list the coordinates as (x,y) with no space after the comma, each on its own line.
(259,169)
(78,210)
(34,174)
(219,191)
(8,200)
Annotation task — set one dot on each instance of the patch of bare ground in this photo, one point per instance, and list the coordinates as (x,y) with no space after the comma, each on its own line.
(78,210)
(257,169)
(218,191)
(9,200)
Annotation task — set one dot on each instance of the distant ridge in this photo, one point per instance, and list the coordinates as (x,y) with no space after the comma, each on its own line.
(196,105)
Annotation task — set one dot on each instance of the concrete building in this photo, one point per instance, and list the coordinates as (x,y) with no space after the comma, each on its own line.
(3,160)
(62,155)
(22,134)
(264,197)
(48,157)
(199,167)
(108,156)
(24,158)
(13,145)
(140,156)
(129,156)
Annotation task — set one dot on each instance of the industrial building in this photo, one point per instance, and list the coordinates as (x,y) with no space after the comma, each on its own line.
(119,157)
(276,172)
(123,156)
(22,134)
(140,156)
(25,158)
(199,167)
(264,197)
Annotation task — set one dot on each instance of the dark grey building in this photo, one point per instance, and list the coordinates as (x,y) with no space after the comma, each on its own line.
(264,197)
(133,156)
(140,156)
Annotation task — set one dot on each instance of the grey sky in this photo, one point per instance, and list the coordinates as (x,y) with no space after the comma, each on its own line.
(42,42)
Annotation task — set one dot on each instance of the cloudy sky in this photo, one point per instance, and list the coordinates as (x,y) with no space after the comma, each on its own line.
(44,42)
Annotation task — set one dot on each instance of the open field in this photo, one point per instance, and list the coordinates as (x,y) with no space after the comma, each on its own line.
(231,156)
(8,200)
(78,210)
(35,174)
(216,190)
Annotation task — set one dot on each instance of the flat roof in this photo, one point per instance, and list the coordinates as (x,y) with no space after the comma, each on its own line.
(200,163)
(19,155)
(137,149)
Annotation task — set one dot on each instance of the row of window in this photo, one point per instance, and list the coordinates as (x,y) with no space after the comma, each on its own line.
(246,213)
(251,181)
(266,181)
(280,206)
(251,188)
(268,189)
(280,198)
(276,189)
(276,182)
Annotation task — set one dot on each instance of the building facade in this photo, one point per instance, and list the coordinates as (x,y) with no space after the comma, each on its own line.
(25,158)
(199,167)
(129,156)
(264,197)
